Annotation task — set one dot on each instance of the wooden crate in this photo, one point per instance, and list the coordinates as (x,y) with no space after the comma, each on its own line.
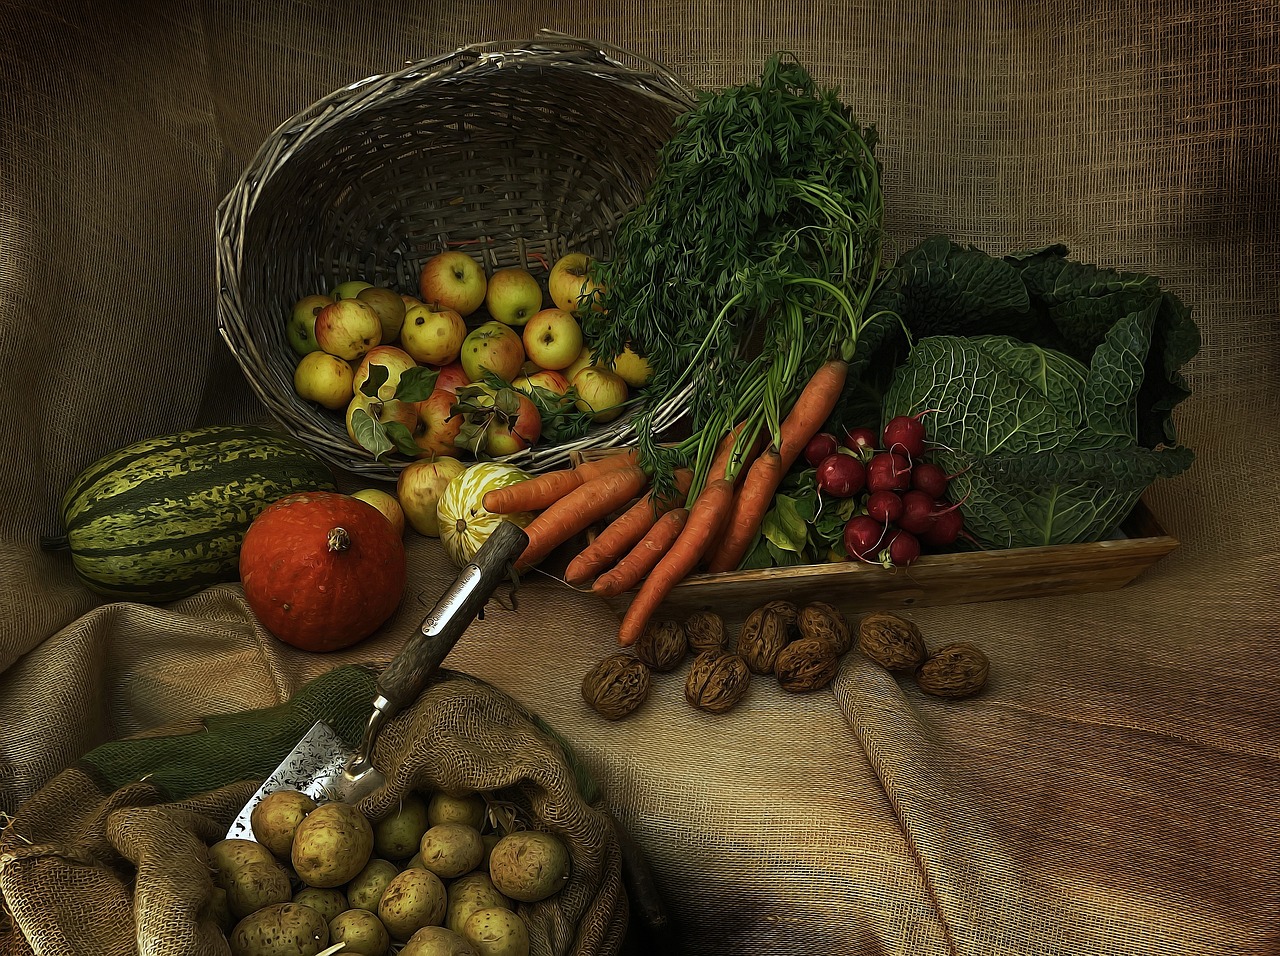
(967,578)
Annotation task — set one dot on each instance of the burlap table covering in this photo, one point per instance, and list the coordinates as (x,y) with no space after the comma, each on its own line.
(1113,790)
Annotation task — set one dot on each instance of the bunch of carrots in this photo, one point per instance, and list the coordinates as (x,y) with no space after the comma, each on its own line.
(654,541)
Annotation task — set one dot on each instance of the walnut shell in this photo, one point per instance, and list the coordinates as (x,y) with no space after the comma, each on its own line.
(616,686)
(827,622)
(704,631)
(662,645)
(955,670)
(891,641)
(806,665)
(716,681)
(764,633)
(786,610)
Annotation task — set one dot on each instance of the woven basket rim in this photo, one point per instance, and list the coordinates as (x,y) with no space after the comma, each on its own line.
(548,49)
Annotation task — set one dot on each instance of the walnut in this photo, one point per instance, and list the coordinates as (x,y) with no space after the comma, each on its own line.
(786,610)
(616,686)
(956,670)
(662,645)
(716,681)
(704,631)
(827,622)
(807,664)
(891,641)
(764,633)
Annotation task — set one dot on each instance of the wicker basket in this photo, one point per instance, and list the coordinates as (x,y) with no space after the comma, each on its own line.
(515,152)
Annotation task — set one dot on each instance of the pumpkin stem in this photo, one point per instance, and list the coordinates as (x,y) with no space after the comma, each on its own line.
(339,540)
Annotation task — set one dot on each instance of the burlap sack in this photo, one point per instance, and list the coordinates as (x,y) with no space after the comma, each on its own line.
(111,856)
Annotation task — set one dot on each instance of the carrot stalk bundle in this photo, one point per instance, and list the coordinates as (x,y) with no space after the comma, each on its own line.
(706,519)
(644,556)
(542,491)
(623,533)
(577,510)
(813,406)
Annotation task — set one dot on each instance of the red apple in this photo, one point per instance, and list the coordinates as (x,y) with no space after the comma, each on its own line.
(419,487)
(510,419)
(348,328)
(452,280)
(495,347)
(437,425)
(451,377)
(395,361)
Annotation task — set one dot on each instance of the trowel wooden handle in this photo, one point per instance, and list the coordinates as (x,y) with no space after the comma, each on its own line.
(404,678)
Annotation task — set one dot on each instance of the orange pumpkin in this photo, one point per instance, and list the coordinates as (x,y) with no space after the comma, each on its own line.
(322,570)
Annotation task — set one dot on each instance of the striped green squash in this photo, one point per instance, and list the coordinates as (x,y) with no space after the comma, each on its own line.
(164,518)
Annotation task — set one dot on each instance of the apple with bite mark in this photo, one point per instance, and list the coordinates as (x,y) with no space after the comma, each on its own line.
(389,308)
(452,280)
(348,328)
(600,392)
(493,346)
(349,289)
(395,361)
(437,426)
(513,296)
(419,487)
(570,283)
(301,327)
(552,339)
(324,379)
(386,503)
(433,335)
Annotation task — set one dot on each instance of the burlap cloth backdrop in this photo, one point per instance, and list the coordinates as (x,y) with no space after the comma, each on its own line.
(1113,791)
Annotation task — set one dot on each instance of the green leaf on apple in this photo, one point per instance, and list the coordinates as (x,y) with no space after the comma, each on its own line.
(377,377)
(402,439)
(416,384)
(370,433)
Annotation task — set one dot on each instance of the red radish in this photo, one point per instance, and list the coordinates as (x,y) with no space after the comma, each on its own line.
(841,476)
(930,478)
(888,471)
(820,446)
(905,434)
(884,506)
(903,548)
(918,513)
(860,440)
(862,536)
(945,529)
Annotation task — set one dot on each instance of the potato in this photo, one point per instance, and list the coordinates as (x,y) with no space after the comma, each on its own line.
(529,865)
(398,834)
(414,899)
(415,860)
(327,902)
(226,856)
(332,844)
(437,941)
(276,817)
(490,841)
(474,891)
(361,931)
(284,929)
(496,932)
(451,849)
(255,885)
(365,888)
(445,808)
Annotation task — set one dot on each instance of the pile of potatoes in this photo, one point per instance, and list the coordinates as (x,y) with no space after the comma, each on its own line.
(433,878)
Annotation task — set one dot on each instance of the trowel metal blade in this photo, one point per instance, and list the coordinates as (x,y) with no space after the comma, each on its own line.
(317,766)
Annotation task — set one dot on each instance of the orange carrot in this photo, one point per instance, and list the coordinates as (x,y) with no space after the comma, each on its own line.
(813,407)
(624,532)
(589,502)
(706,518)
(641,559)
(541,491)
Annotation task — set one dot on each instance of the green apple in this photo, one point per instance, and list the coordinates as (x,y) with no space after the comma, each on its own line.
(390,309)
(513,296)
(384,502)
(348,328)
(395,361)
(634,369)
(301,327)
(495,347)
(570,282)
(433,334)
(452,280)
(437,425)
(419,487)
(585,357)
(325,379)
(550,379)
(349,289)
(552,339)
(600,392)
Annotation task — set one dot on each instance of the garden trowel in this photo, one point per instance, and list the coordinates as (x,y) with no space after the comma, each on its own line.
(321,765)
